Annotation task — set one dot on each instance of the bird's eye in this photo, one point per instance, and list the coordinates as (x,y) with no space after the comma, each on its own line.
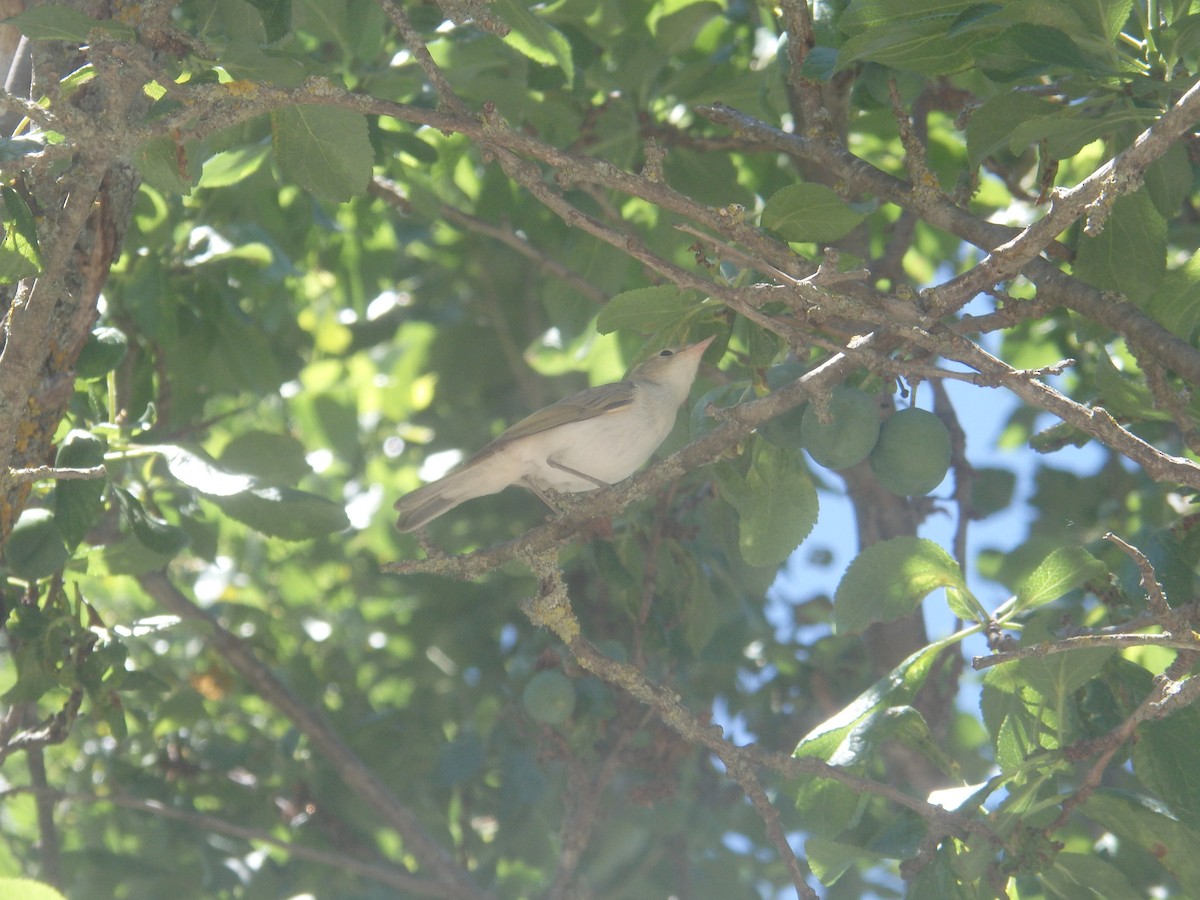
(665,353)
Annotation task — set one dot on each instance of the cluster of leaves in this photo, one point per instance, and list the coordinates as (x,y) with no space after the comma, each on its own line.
(347,263)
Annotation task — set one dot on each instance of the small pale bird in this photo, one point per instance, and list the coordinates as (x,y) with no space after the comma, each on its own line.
(589,440)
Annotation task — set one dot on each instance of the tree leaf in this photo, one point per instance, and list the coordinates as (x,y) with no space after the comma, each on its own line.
(1055,676)
(168,166)
(1015,715)
(1025,50)
(991,127)
(78,502)
(776,504)
(830,859)
(647,310)
(54,22)
(1059,573)
(896,689)
(809,212)
(889,579)
(1150,825)
(907,34)
(1130,254)
(26,889)
(284,512)
(19,253)
(198,471)
(1083,875)
(535,38)
(1164,757)
(246,62)
(151,532)
(233,166)
(1176,303)
(323,149)
(271,458)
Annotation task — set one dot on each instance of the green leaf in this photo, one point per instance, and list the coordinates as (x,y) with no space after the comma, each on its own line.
(105,349)
(991,127)
(776,504)
(809,212)
(1176,303)
(62,23)
(1103,17)
(850,738)
(151,532)
(284,512)
(1057,676)
(246,62)
(1122,395)
(78,503)
(889,579)
(896,689)
(906,34)
(991,490)
(535,38)
(1070,129)
(232,166)
(35,549)
(19,253)
(25,889)
(1169,181)
(1166,756)
(1130,254)
(1085,875)
(232,21)
(647,310)
(271,458)
(830,859)
(197,471)
(323,149)
(829,806)
(1025,50)
(167,165)
(676,24)
(1059,573)
(1147,823)
(702,611)
(941,879)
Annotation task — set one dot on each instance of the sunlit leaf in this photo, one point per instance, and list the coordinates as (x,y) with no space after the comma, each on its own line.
(888,579)
(1063,570)
(809,212)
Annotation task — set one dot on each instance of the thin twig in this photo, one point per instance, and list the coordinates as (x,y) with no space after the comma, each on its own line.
(446,95)
(46,473)
(1086,642)
(1155,598)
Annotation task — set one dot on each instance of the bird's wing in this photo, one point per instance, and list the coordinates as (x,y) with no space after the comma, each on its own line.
(587,404)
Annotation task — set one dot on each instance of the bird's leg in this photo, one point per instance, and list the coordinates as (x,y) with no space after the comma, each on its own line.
(558,501)
(555,464)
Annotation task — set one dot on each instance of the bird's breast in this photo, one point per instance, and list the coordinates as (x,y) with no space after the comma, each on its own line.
(608,448)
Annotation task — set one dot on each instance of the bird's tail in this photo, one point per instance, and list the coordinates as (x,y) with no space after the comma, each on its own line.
(427,503)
